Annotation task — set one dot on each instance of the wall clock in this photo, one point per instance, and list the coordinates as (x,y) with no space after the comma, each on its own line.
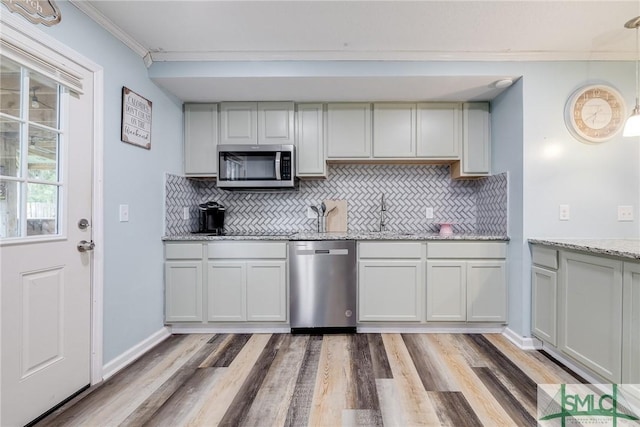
(595,113)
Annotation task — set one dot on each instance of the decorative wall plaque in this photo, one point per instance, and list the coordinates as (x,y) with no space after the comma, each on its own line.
(136,119)
(35,11)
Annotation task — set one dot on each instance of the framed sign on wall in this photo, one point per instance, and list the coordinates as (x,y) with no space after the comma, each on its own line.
(136,119)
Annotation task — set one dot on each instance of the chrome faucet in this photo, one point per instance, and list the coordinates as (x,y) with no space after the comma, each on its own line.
(383,210)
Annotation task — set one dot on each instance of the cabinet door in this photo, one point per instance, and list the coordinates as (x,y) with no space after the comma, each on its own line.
(631,327)
(226,291)
(544,298)
(390,290)
(348,130)
(310,141)
(439,130)
(200,139)
(591,312)
(275,123)
(238,123)
(394,130)
(267,291)
(476,139)
(183,291)
(446,291)
(486,291)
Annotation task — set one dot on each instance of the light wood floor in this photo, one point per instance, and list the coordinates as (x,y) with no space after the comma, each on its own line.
(331,380)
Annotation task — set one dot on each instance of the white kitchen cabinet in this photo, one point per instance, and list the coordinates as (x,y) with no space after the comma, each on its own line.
(476,142)
(390,290)
(439,130)
(590,324)
(348,130)
(200,139)
(183,282)
(239,123)
(394,130)
(276,123)
(267,291)
(226,291)
(446,291)
(466,281)
(390,281)
(544,298)
(631,327)
(310,141)
(544,294)
(257,123)
(247,281)
(486,291)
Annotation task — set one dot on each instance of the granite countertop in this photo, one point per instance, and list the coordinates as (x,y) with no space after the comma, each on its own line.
(624,248)
(355,235)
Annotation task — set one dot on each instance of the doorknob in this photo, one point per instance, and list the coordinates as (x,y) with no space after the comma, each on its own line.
(85,246)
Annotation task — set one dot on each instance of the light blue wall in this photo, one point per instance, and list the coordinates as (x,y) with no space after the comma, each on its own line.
(133,281)
(546,167)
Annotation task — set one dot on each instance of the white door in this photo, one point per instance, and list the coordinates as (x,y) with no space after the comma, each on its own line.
(45,190)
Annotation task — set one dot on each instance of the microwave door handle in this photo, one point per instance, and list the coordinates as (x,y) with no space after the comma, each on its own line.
(278,176)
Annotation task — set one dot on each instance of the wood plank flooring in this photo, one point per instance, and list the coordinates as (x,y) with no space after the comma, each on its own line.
(315,380)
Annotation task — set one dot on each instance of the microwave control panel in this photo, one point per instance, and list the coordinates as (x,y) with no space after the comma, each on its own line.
(285,166)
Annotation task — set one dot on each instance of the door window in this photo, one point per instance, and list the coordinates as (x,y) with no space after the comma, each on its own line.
(31,145)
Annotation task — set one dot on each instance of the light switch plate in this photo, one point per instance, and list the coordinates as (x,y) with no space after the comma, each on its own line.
(625,213)
(428,213)
(124,213)
(565,213)
(185,213)
(310,213)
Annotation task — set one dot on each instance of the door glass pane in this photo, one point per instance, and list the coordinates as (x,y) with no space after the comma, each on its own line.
(42,209)
(43,101)
(9,209)
(43,154)
(9,147)
(10,87)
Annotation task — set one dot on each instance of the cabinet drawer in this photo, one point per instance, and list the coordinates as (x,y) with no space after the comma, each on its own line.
(390,250)
(545,257)
(183,251)
(246,250)
(459,250)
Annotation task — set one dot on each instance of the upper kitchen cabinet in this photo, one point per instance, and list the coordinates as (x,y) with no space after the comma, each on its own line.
(200,139)
(439,130)
(310,141)
(348,130)
(257,123)
(476,142)
(394,130)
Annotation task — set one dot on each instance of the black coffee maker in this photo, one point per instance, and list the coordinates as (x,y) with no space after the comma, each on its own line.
(211,218)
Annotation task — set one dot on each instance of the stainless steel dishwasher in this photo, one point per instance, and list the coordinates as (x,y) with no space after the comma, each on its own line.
(323,283)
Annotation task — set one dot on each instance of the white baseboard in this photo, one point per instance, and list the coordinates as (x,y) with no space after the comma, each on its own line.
(129,356)
(422,329)
(223,329)
(525,343)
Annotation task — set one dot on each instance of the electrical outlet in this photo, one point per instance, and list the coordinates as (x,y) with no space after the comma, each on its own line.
(124,213)
(428,213)
(625,213)
(310,213)
(185,213)
(565,213)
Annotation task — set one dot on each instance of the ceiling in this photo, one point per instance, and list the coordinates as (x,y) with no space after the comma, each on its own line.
(186,32)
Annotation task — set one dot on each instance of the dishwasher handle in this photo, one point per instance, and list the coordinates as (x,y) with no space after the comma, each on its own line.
(322,252)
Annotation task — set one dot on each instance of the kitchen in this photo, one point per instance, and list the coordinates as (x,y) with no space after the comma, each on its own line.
(546,167)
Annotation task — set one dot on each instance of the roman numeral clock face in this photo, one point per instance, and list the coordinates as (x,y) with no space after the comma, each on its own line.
(595,113)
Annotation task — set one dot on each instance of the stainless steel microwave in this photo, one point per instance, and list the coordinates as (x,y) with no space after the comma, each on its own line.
(256,166)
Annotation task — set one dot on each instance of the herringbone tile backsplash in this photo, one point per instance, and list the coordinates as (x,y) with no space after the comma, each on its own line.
(473,205)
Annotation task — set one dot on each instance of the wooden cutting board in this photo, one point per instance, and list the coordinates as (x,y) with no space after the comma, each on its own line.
(337,220)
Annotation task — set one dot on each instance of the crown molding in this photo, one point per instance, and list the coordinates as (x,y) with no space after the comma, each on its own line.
(112,28)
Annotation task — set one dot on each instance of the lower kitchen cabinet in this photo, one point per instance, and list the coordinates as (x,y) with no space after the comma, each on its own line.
(631,327)
(390,281)
(591,312)
(247,281)
(544,297)
(466,281)
(183,282)
(390,290)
